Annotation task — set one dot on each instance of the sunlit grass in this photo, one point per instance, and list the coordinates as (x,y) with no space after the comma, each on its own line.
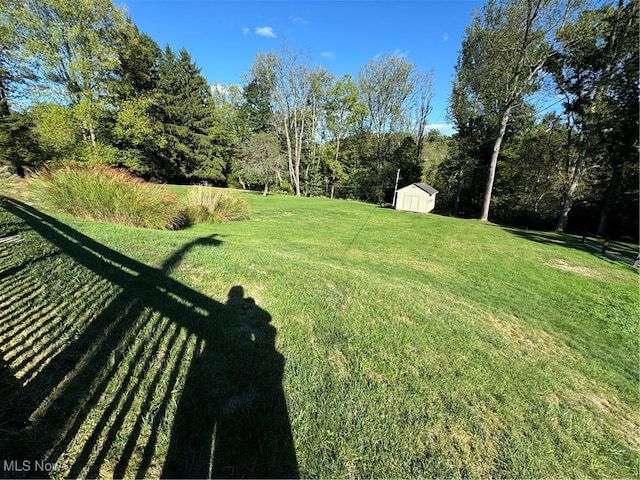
(414,346)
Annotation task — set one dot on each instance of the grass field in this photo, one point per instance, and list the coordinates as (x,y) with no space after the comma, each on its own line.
(321,338)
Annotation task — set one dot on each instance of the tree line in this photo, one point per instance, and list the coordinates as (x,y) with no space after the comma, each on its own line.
(79,81)
(582,158)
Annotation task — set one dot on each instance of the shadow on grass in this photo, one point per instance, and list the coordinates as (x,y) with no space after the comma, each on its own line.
(112,368)
(592,247)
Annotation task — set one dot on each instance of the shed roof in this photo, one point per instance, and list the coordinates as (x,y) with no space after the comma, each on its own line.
(423,186)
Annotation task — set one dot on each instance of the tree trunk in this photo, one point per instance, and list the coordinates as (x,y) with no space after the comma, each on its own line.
(456,202)
(287,136)
(494,162)
(610,198)
(265,191)
(92,135)
(298,154)
(567,203)
(333,187)
(4,101)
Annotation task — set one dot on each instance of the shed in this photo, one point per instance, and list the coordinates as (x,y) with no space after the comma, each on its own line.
(417,197)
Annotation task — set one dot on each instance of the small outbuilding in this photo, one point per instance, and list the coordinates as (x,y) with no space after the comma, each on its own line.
(417,197)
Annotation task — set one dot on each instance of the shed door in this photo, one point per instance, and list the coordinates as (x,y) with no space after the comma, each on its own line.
(411,203)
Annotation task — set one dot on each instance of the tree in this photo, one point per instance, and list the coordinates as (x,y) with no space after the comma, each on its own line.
(57,131)
(229,129)
(18,143)
(385,85)
(14,68)
(404,158)
(73,46)
(421,107)
(533,164)
(184,110)
(596,69)
(262,159)
(470,151)
(436,150)
(616,112)
(134,92)
(256,112)
(139,57)
(343,115)
(320,80)
(502,57)
(287,77)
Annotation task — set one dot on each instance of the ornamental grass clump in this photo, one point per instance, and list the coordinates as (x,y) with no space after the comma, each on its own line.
(98,192)
(9,186)
(214,205)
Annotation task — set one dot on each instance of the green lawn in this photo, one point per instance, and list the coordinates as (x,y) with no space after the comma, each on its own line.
(321,338)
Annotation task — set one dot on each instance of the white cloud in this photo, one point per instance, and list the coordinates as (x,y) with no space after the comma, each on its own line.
(265,32)
(222,89)
(219,88)
(328,55)
(245,31)
(443,128)
(299,20)
(445,37)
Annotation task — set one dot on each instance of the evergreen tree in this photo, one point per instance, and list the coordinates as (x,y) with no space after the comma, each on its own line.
(18,146)
(256,111)
(185,111)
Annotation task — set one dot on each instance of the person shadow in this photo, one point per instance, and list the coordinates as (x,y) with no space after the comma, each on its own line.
(233,403)
(231,418)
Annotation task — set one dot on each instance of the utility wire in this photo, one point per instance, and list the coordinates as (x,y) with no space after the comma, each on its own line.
(358,233)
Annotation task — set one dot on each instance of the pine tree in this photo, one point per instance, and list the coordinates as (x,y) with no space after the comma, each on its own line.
(185,110)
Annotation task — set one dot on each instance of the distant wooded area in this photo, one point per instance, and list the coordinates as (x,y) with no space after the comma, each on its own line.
(79,82)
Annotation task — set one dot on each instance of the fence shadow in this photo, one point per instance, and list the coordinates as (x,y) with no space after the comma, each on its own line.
(112,368)
(626,256)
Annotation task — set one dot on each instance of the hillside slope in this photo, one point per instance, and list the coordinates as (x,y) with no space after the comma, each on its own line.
(323,338)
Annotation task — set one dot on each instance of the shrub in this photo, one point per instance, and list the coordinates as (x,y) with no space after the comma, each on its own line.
(213,205)
(98,192)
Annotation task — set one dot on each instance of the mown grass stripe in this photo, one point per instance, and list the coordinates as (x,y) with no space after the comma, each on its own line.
(155,450)
(131,410)
(92,393)
(159,387)
(126,387)
(71,322)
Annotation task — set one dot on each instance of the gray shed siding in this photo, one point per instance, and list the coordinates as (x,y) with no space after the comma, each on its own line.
(414,199)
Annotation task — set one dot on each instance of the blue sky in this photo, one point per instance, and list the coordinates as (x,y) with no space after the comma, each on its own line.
(223,37)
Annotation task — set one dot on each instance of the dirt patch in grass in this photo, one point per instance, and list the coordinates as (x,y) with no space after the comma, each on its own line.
(474,445)
(406,320)
(578,270)
(266,218)
(615,414)
(339,363)
(377,377)
(528,340)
